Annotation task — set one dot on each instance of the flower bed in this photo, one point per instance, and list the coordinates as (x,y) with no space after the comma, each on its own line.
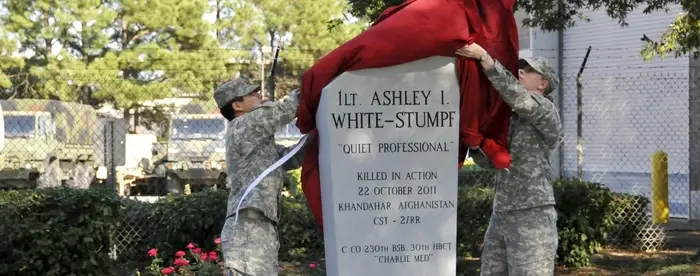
(193,260)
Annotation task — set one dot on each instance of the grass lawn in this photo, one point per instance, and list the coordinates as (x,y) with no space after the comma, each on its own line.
(664,263)
(609,262)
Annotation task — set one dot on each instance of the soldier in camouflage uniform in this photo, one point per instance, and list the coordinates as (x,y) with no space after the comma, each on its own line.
(522,236)
(250,247)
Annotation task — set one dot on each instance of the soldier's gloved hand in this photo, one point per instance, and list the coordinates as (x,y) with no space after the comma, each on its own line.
(295,93)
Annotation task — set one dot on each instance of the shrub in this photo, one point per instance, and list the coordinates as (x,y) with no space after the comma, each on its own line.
(473,215)
(629,220)
(587,212)
(136,230)
(300,238)
(292,182)
(57,231)
(472,175)
(179,220)
(64,231)
(584,219)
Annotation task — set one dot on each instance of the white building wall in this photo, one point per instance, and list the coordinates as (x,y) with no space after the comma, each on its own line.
(631,108)
(534,42)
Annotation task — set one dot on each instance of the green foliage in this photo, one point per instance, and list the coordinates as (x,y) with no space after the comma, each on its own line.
(300,239)
(371,9)
(629,217)
(585,213)
(57,231)
(198,218)
(473,215)
(8,60)
(61,231)
(681,37)
(129,52)
(268,23)
(123,52)
(136,215)
(472,175)
(292,182)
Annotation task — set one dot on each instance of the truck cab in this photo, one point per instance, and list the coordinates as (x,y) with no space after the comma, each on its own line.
(48,143)
(30,142)
(196,151)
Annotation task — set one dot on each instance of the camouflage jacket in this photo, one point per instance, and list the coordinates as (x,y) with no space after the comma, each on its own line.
(535,131)
(251,148)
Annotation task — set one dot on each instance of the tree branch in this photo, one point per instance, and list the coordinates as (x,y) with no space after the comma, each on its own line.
(138,35)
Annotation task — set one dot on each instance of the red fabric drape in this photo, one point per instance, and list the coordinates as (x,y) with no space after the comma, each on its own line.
(415,30)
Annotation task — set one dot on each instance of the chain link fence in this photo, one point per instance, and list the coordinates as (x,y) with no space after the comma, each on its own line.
(176,146)
(627,117)
(632,112)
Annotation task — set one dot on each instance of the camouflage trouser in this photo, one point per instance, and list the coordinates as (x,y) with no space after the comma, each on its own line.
(251,246)
(521,243)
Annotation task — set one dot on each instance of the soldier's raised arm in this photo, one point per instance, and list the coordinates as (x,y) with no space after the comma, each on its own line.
(532,105)
(535,108)
(271,116)
(298,159)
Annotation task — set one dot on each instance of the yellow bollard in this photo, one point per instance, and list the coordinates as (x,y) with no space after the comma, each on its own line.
(659,187)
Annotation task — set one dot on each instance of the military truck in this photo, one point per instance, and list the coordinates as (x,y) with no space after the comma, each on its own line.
(194,154)
(49,143)
(196,149)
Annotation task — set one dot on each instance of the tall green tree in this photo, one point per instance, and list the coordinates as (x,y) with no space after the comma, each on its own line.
(124,52)
(10,62)
(682,36)
(304,29)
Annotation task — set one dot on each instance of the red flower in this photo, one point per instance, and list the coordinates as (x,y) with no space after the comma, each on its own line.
(152,252)
(181,262)
(197,250)
(217,240)
(313,265)
(180,254)
(190,246)
(213,256)
(203,256)
(168,270)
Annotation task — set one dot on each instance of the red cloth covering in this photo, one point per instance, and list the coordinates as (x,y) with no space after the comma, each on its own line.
(415,30)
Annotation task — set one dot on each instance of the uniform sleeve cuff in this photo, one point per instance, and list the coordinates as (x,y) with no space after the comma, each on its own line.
(495,70)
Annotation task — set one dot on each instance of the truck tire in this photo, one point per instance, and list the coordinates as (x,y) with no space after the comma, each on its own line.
(52,174)
(173,185)
(82,175)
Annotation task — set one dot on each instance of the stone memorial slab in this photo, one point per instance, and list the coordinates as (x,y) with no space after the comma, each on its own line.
(388,141)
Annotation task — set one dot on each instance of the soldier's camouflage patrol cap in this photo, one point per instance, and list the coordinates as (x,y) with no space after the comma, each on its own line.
(543,67)
(232,89)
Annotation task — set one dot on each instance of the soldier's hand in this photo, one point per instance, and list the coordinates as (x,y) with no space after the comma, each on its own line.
(295,93)
(471,51)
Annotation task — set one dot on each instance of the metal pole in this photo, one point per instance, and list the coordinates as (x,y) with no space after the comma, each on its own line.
(271,81)
(579,117)
(112,167)
(560,98)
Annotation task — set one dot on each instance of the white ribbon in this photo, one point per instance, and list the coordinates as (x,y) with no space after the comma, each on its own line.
(267,171)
